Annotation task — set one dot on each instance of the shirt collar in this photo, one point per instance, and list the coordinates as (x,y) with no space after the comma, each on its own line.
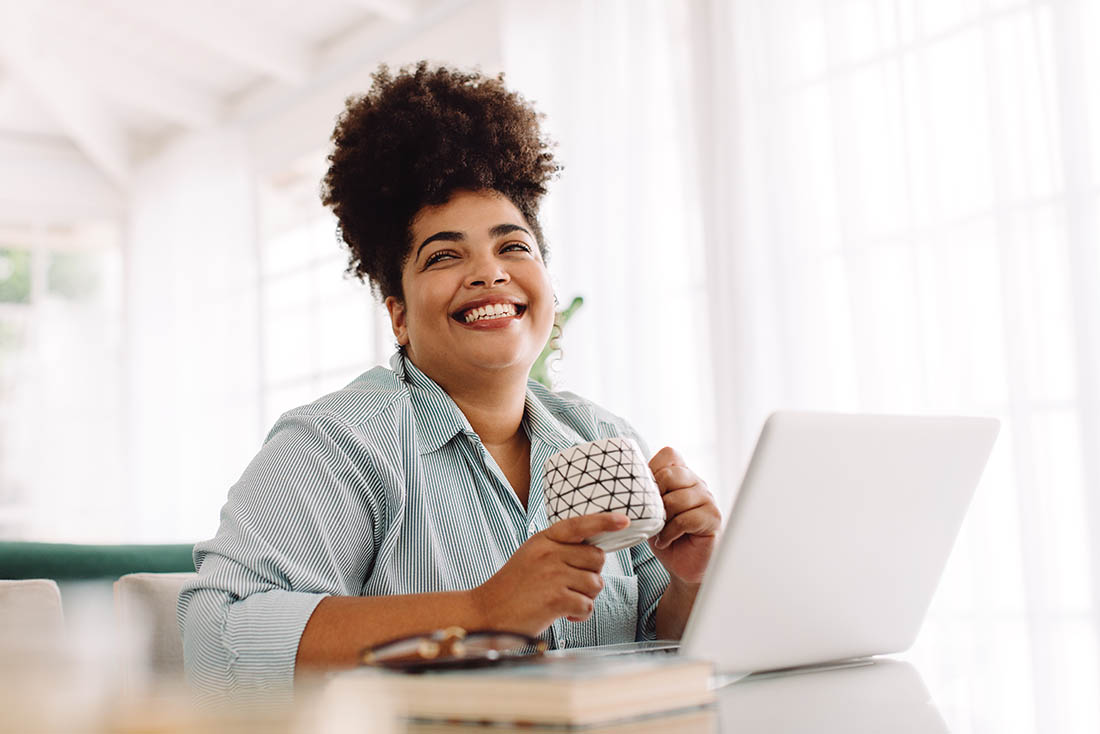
(542,426)
(438,419)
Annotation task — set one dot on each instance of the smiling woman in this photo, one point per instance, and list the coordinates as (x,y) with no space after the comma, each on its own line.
(412,499)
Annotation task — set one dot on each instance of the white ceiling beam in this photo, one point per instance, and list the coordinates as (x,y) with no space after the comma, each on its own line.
(349,58)
(22,114)
(77,111)
(233,37)
(398,11)
(52,181)
(125,78)
(153,93)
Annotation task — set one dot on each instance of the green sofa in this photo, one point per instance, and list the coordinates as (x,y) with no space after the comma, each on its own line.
(67,562)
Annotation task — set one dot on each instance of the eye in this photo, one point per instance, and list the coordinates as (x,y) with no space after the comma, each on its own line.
(516,247)
(438,257)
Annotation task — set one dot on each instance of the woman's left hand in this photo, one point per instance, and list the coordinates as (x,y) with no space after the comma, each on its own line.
(692,519)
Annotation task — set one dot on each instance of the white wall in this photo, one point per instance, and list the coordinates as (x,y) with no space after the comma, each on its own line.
(191,334)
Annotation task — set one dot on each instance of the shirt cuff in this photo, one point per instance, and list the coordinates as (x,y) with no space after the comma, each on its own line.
(262,632)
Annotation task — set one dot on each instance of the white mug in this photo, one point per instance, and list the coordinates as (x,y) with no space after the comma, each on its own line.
(608,475)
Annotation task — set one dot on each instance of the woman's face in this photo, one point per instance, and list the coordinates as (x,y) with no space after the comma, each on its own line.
(477,293)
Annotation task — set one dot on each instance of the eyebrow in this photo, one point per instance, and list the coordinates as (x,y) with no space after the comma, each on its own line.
(498,231)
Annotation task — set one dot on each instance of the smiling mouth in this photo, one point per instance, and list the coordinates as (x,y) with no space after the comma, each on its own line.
(489,313)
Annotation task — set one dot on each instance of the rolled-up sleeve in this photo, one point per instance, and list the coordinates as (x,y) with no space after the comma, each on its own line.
(299,525)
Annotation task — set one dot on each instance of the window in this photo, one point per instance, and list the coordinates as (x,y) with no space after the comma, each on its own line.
(61,402)
(320,328)
(930,199)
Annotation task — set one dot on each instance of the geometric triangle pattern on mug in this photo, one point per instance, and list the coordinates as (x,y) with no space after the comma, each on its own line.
(601,476)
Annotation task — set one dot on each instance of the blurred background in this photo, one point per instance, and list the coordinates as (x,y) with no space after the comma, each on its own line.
(856,205)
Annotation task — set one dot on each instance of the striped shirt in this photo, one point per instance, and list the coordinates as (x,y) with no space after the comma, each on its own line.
(384,488)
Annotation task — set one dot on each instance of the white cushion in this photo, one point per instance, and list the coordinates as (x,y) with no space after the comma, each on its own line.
(145,607)
(30,608)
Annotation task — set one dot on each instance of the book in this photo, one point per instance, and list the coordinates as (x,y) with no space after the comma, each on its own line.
(689,721)
(556,691)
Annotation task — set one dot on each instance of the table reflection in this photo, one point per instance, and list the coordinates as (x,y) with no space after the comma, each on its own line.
(875,696)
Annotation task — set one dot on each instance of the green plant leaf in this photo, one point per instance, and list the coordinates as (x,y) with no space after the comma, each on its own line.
(540,370)
(15,276)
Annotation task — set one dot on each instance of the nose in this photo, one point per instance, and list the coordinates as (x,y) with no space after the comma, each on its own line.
(486,272)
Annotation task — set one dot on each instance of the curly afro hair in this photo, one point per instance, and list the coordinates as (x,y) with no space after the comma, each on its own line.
(412,141)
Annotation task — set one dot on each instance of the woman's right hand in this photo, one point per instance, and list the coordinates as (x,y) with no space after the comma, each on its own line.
(553,574)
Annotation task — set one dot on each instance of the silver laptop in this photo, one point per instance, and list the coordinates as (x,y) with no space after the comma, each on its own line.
(835,542)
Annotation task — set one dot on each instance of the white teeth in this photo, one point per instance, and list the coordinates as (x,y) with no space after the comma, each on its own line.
(492,311)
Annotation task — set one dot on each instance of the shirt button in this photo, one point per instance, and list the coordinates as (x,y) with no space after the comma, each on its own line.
(561,642)
(532,528)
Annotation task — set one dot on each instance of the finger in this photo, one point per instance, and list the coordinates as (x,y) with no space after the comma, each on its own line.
(673,531)
(585,582)
(577,607)
(579,529)
(676,477)
(682,500)
(701,521)
(584,557)
(667,456)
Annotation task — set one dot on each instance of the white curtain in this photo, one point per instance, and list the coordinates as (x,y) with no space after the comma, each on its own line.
(623,222)
(893,207)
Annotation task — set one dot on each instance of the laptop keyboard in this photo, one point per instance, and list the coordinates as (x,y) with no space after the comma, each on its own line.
(648,647)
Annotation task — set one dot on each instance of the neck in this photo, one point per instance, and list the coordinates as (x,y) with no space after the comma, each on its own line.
(494,403)
(496,417)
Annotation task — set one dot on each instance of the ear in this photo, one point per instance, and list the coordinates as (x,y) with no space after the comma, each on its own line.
(397,320)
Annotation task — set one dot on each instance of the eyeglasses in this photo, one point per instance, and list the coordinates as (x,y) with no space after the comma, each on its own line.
(452,648)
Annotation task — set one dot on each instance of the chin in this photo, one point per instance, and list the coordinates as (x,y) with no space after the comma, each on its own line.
(502,360)
(497,365)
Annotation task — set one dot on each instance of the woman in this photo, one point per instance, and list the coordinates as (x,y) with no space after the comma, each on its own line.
(411,500)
